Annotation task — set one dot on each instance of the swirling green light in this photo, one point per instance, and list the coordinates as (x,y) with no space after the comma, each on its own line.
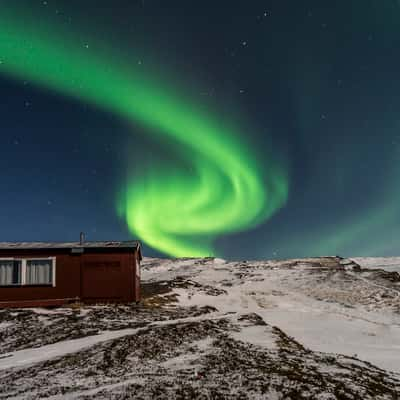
(176,212)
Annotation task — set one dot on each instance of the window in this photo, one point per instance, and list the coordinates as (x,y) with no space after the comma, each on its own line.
(20,272)
(10,272)
(39,272)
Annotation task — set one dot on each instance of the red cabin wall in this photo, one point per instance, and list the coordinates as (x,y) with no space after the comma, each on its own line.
(88,277)
(136,275)
(106,278)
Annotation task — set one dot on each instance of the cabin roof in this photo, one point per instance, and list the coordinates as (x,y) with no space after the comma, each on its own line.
(69,245)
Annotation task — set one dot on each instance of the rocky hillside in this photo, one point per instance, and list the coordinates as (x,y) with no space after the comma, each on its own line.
(322,328)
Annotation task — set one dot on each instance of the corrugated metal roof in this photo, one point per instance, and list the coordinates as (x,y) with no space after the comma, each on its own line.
(67,245)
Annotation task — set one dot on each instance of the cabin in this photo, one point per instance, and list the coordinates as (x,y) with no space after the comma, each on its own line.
(39,274)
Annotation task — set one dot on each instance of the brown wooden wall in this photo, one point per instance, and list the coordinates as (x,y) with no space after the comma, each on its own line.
(89,277)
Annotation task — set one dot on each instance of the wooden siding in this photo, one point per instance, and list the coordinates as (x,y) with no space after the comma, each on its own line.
(89,277)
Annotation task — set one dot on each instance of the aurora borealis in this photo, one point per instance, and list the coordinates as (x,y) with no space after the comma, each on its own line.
(258,141)
(177,214)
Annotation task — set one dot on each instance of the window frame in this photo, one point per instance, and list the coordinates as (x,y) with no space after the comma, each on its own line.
(24,261)
(13,259)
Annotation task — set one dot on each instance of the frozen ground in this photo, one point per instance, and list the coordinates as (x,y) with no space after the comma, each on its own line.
(391,264)
(322,328)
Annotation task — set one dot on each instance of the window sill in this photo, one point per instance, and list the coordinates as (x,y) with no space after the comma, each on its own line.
(10,286)
(28,285)
(37,284)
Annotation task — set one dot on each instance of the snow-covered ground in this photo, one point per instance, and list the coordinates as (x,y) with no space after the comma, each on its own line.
(325,310)
(323,328)
(391,264)
(26,357)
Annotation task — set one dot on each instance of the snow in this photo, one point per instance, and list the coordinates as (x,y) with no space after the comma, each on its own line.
(23,358)
(49,311)
(98,389)
(391,264)
(331,327)
(216,326)
(330,333)
(5,325)
(44,321)
(257,335)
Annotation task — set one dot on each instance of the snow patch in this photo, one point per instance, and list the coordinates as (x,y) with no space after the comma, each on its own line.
(22,358)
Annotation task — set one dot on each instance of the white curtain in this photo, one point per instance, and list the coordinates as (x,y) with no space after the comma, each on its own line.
(39,272)
(8,275)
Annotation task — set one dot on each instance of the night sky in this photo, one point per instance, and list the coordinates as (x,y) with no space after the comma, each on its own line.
(240,129)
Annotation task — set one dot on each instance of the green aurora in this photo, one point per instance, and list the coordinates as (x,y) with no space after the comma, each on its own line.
(179,211)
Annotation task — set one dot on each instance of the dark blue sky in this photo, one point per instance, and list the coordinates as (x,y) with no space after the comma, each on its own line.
(317,79)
